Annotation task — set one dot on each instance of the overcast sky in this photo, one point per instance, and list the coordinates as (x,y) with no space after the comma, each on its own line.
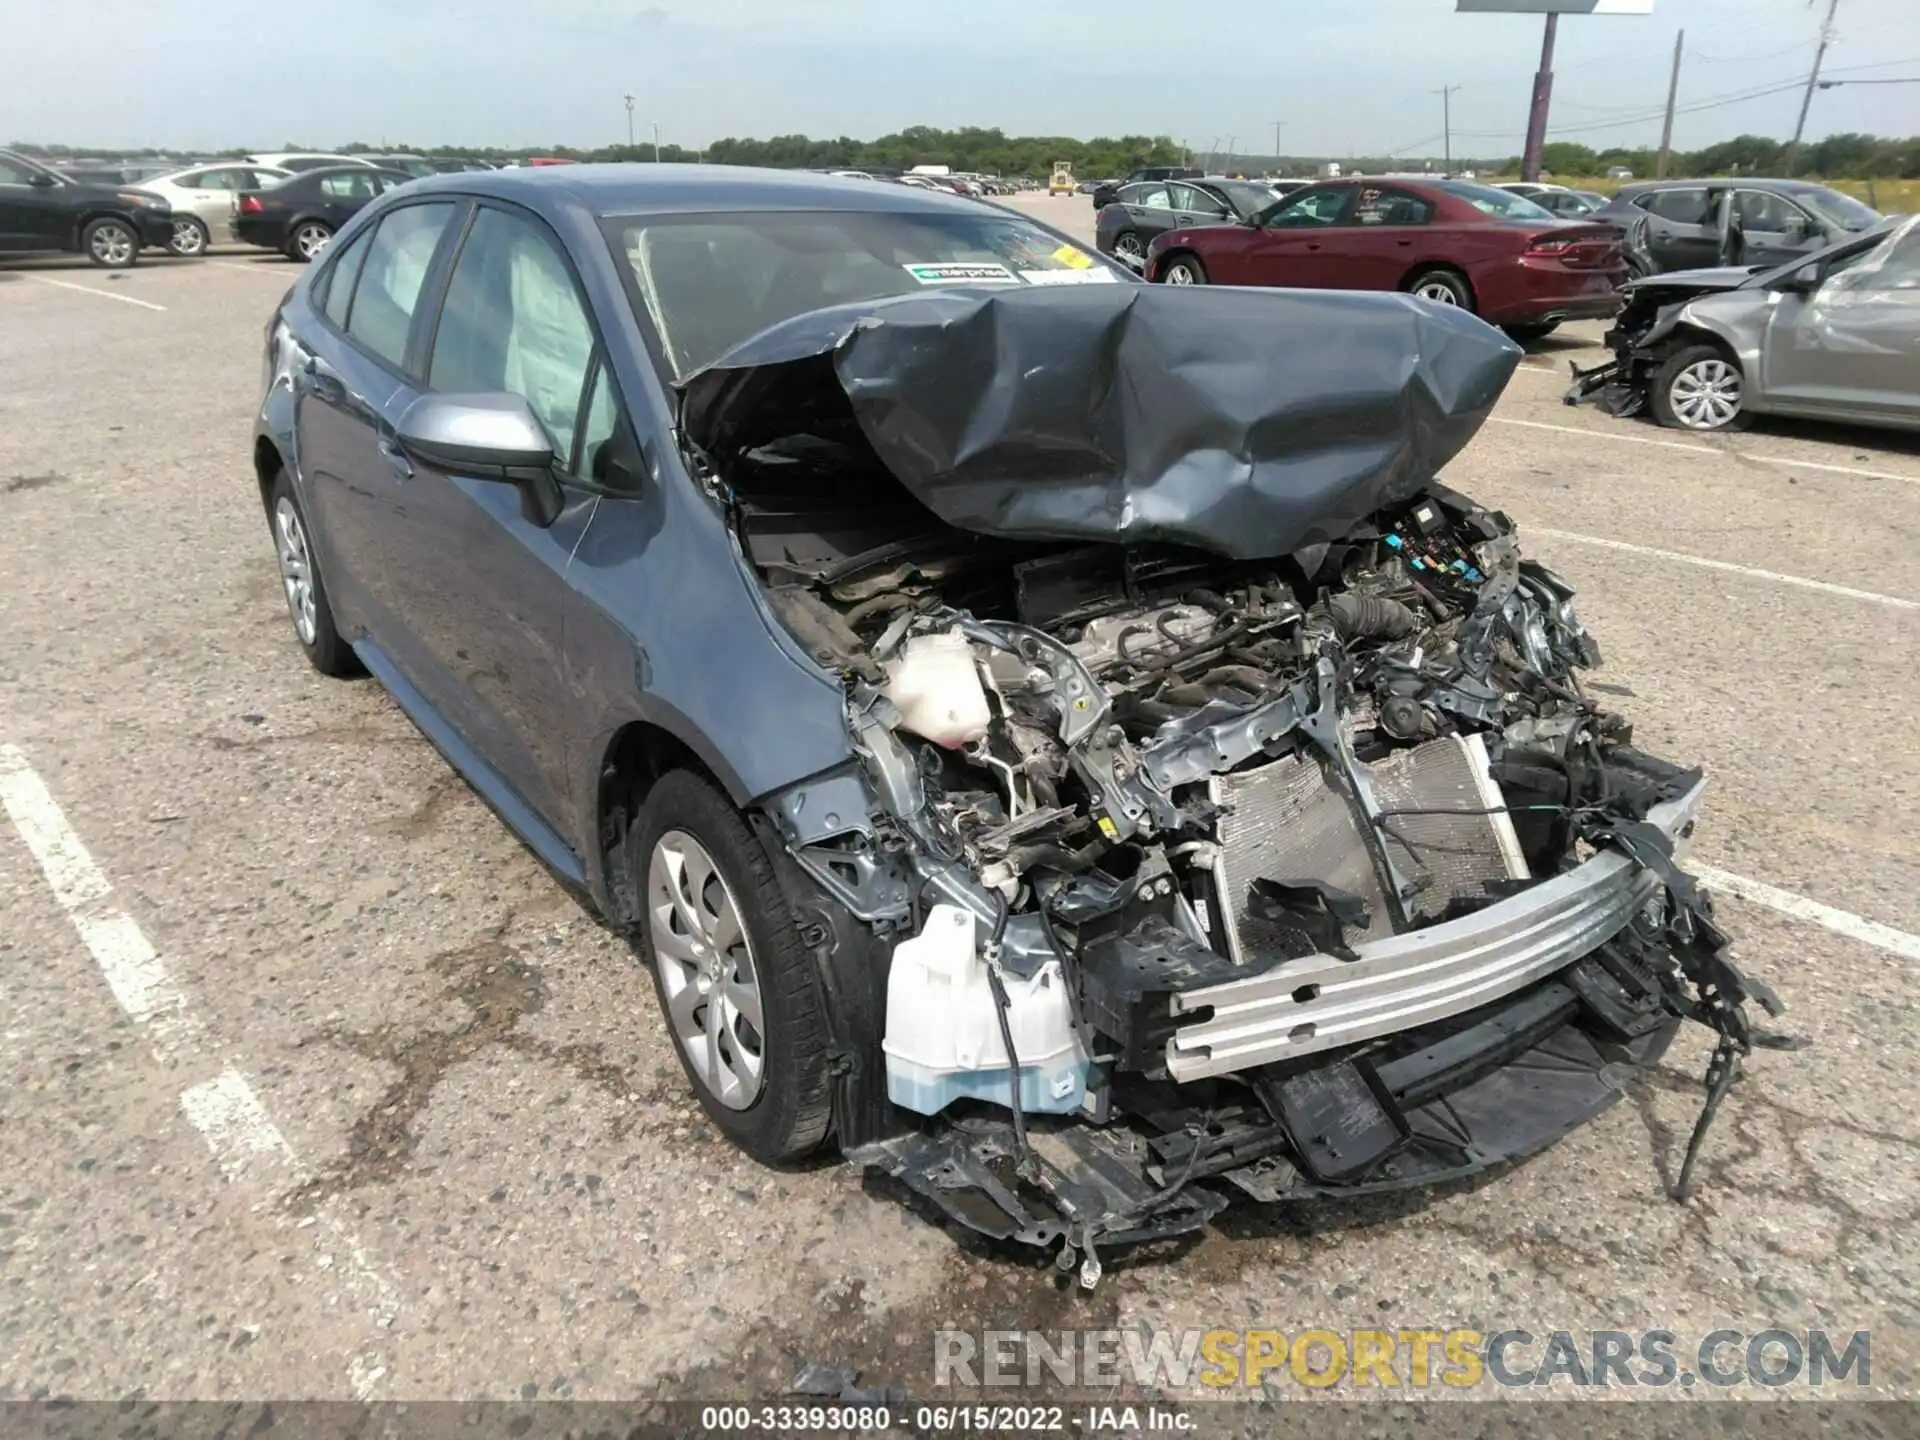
(1347,76)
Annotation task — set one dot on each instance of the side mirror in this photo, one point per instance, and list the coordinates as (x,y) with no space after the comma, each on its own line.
(1803,281)
(485,437)
(41,180)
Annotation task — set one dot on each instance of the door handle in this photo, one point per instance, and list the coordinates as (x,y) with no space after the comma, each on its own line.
(1313,245)
(1403,242)
(396,460)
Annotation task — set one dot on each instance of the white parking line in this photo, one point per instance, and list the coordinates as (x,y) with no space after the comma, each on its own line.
(1706,450)
(90,290)
(1841,922)
(225,1110)
(1847,591)
(288,273)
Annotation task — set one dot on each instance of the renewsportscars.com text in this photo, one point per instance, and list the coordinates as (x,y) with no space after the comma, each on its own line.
(1408,1358)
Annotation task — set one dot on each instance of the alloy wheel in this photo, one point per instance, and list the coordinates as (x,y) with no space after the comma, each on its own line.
(1437,291)
(1180,273)
(1127,249)
(188,238)
(296,569)
(1706,394)
(707,973)
(112,244)
(310,240)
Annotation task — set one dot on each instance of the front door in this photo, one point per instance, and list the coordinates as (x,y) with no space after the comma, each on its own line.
(483,589)
(1852,347)
(1380,239)
(1773,230)
(1298,241)
(31,217)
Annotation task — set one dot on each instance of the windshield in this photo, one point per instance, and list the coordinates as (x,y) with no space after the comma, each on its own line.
(1501,204)
(1842,210)
(712,281)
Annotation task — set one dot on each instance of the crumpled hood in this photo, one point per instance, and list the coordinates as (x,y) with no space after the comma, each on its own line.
(1245,422)
(1700,282)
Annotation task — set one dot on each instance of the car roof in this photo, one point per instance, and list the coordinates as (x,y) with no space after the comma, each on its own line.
(640,189)
(1749,182)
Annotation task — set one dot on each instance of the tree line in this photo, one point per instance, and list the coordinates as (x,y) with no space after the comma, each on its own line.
(993,152)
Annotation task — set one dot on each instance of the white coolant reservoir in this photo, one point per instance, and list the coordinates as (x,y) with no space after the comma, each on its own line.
(943,1033)
(936,688)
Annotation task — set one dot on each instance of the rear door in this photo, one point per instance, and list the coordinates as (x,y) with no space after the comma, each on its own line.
(1680,231)
(1297,243)
(211,195)
(483,589)
(342,195)
(1852,348)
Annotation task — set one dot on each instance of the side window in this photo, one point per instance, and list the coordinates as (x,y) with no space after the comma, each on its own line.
(1311,208)
(1759,210)
(601,420)
(1682,207)
(1152,197)
(11,174)
(513,321)
(260,179)
(1390,207)
(337,187)
(337,284)
(1195,202)
(219,180)
(391,277)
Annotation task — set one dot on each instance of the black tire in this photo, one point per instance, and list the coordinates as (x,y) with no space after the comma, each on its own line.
(1126,238)
(1186,264)
(1526,334)
(1703,362)
(296,239)
(110,243)
(789,1116)
(1439,278)
(190,237)
(326,651)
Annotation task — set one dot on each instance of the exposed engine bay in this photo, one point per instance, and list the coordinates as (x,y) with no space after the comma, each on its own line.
(1311,873)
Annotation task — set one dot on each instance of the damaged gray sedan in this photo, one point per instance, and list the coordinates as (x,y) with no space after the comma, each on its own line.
(1053,738)
(1834,336)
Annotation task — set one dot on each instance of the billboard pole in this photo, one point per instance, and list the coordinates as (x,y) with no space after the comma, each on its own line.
(1542,94)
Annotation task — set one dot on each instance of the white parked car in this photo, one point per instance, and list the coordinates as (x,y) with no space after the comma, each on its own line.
(205,199)
(299,161)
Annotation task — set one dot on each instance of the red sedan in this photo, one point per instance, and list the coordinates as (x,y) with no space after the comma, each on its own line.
(1492,252)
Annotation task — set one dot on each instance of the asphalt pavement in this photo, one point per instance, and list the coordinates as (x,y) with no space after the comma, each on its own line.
(314,1084)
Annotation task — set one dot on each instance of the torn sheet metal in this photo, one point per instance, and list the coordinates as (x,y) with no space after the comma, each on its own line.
(1244,422)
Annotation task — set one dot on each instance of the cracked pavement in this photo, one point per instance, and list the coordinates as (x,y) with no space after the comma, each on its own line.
(482,1095)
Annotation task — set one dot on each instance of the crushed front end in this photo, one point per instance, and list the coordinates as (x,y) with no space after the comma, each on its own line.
(1203,864)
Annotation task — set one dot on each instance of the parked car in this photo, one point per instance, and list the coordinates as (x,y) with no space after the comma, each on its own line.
(1569,204)
(299,215)
(692,512)
(128,172)
(417,166)
(1685,224)
(1450,241)
(109,225)
(206,200)
(1105,190)
(1123,227)
(301,161)
(1530,189)
(1831,336)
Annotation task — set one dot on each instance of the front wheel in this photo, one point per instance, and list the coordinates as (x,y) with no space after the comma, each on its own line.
(308,239)
(1184,270)
(1128,250)
(110,243)
(736,985)
(1700,388)
(190,237)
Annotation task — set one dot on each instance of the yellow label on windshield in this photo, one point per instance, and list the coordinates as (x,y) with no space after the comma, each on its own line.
(1073,259)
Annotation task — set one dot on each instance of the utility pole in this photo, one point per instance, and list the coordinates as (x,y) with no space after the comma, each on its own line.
(1224,164)
(1673,93)
(1445,92)
(656,142)
(1278,126)
(1813,80)
(1542,94)
(629,122)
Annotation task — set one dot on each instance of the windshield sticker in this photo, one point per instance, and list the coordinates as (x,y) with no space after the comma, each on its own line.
(1073,259)
(960,272)
(1069,277)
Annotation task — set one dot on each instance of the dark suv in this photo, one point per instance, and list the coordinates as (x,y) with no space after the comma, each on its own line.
(1688,224)
(40,209)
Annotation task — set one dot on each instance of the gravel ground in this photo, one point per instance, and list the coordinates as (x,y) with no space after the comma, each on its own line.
(481,1174)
